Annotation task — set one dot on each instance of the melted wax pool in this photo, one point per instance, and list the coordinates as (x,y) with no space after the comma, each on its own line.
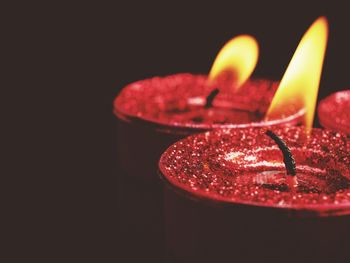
(178,100)
(246,166)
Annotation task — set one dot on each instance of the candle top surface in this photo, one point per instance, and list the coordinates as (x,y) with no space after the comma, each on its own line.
(179,101)
(245,166)
(334,111)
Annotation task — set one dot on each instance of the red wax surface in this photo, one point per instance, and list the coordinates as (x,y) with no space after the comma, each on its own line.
(245,166)
(178,101)
(334,111)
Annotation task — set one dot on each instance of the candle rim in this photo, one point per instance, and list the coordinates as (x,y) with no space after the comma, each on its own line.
(179,128)
(306,210)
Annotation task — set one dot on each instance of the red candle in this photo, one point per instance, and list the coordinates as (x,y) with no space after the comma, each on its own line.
(334,111)
(228,194)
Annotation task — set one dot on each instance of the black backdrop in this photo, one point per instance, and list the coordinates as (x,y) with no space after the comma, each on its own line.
(79,56)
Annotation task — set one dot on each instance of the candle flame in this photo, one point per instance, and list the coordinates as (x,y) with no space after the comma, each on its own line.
(236,61)
(299,86)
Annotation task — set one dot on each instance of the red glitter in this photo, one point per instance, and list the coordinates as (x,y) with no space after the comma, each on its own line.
(177,101)
(334,111)
(245,166)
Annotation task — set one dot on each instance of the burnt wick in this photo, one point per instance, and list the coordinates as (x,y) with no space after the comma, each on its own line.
(211,97)
(288,158)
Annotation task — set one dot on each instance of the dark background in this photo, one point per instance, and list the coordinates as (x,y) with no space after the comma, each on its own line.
(71,60)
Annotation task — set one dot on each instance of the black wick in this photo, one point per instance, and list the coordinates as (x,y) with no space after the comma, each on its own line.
(288,158)
(211,97)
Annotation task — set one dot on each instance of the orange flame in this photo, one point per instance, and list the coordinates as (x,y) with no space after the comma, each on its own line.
(236,60)
(299,86)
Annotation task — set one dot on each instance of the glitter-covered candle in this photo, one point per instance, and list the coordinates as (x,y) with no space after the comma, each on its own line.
(228,193)
(334,111)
